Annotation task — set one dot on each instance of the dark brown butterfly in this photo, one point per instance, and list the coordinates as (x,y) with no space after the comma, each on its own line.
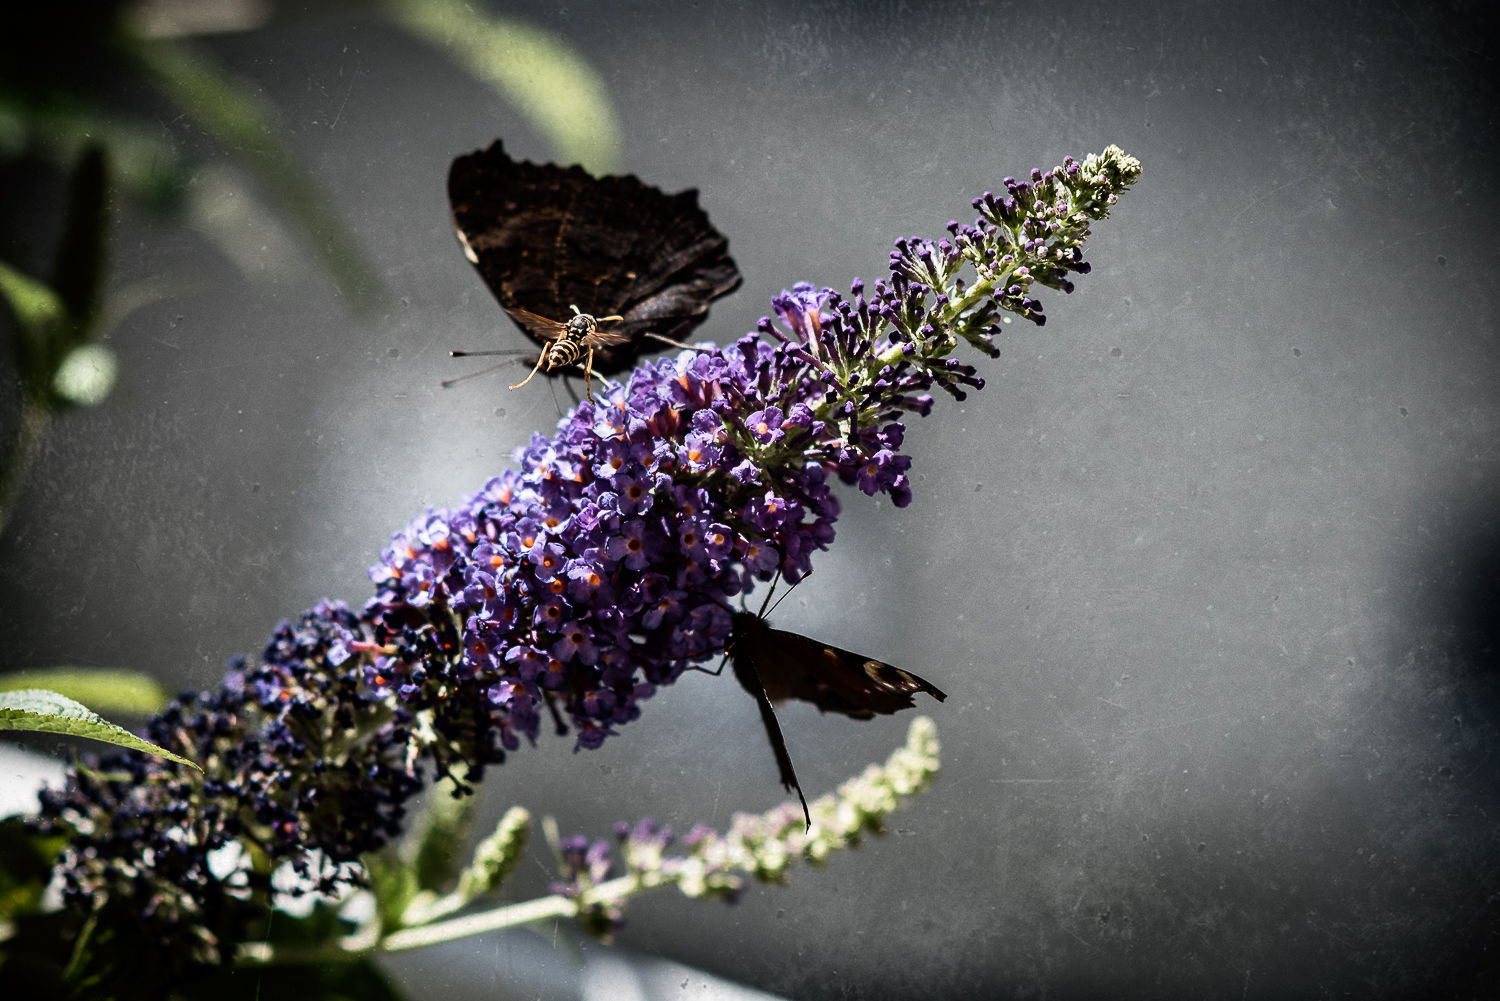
(774,666)
(592,267)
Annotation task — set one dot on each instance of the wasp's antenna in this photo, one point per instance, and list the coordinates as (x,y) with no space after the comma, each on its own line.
(475,354)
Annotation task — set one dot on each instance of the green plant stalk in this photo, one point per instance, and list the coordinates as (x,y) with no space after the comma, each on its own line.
(38,314)
(35,416)
(763,846)
(243,122)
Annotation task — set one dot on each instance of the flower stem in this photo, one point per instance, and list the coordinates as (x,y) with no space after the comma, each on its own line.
(34,418)
(358,946)
(510,916)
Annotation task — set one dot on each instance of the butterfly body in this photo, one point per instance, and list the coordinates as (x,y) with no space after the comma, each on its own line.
(776,666)
(546,239)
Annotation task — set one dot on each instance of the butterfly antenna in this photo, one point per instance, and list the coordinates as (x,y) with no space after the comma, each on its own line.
(449,383)
(774,581)
(668,340)
(784,594)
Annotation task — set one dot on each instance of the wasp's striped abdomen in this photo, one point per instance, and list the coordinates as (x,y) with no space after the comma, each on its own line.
(563,352)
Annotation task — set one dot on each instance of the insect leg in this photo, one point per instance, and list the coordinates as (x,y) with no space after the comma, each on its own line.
(588,376)
(557,720)
(716,671)
(540,358)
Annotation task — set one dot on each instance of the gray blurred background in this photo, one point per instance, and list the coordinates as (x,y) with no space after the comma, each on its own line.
(1211,569)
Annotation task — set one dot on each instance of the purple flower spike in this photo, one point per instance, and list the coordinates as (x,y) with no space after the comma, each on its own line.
(548,560)
(761,558)
(586,577)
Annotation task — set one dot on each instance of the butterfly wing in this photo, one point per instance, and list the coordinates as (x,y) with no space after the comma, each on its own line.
(796,667)
(545,238)
(749,679)
(656,259)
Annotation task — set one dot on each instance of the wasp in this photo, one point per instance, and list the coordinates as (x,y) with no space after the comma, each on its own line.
(563,343)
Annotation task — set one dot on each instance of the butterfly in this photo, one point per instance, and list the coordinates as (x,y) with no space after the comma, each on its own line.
(774,665)
(631,264)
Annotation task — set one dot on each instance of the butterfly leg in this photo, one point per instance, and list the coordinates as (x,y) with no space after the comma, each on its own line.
(561,728)
(540,358)
(716,671)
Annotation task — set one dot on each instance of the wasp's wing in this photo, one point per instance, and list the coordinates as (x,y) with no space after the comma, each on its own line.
(601,339)
(746,673)
(539,327)
(545,238)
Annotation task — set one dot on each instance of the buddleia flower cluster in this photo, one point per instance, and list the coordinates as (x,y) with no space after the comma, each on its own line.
(297,754)
(570,587)
(763,846)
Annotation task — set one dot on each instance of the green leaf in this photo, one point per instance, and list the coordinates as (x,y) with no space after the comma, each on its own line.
(148,169)
(432,850)
(36,306)
(25,867)
(48,712)
(114,691)
(78,268)
(394,884)
(549,80)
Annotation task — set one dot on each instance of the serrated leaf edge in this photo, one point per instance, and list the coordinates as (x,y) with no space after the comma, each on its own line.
(79,722)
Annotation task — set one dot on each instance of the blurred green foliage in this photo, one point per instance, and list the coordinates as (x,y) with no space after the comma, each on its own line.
(73,79)
(117,692)
(535,70)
